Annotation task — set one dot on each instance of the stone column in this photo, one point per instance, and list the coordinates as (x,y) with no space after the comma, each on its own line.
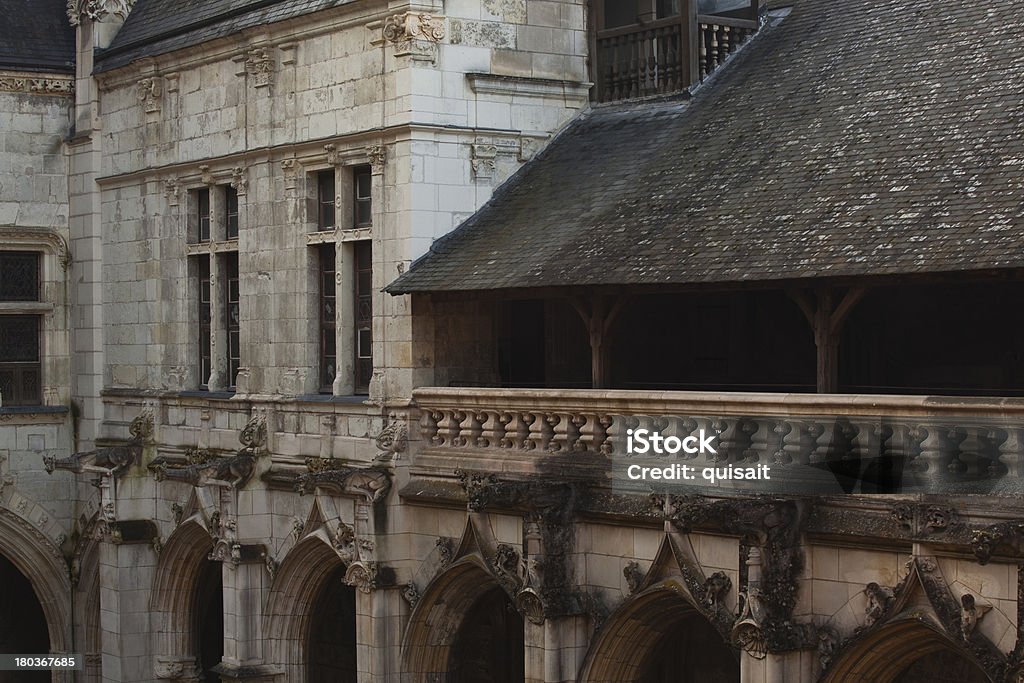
(244,588)
(126,572)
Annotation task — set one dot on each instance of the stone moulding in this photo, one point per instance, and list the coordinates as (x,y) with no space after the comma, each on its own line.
(527,86)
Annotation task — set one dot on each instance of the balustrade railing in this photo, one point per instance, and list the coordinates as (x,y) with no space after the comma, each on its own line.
(664,56)
(862,443)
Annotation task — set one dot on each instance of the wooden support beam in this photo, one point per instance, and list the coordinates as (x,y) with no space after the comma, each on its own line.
(598,319)
(826,321)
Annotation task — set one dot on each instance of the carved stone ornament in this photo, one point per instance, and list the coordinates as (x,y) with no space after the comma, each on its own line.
(254,435)
(240,180)
(484,161)
(411,594)
(748,633)
(984,542)
(393,440)
(149,94)
(716,587)
(634,576)
(828,644)
(260,65)
(880,599)
(445,552)
(141,428)
(377,155)
(363,576)
(413,26)
(97,10)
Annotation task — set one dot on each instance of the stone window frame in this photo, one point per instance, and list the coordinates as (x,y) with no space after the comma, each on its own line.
(217,250)
(345,161)
(52,308)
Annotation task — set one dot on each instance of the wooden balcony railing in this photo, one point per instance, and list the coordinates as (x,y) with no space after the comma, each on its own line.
(664,56)
(932,444)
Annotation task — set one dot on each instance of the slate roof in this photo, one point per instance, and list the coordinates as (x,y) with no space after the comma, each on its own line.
(159,26)
(856,138)
(35,35)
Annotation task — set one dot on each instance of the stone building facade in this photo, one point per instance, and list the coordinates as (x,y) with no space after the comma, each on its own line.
(233,455)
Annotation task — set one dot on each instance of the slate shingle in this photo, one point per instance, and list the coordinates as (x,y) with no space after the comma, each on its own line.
(35,35)
(159,26)
(862,137)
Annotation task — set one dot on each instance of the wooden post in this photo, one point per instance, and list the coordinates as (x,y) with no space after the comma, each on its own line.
(599,319)
(689,43)
(827,322)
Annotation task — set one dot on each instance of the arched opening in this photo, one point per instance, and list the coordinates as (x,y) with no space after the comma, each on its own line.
(658,637)
(332,632)
(464,629)
(187,603)
(311,616)
(23,627)
(489,645)
(906,651)
(208,628)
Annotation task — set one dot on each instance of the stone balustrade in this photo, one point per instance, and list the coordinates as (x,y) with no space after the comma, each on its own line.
(867,443)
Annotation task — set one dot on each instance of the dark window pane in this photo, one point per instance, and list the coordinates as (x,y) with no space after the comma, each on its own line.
(328,317)
(203,214)
(205,359)
(231,211)
(19,338)
(325,200)
(363,295)
(232,313)
(20,369)
(19,276)
(363,205)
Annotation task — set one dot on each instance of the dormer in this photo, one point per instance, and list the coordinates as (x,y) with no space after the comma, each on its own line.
(658,47)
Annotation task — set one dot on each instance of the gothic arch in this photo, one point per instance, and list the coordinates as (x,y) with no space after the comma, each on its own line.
(634,633)
(172,604)
(302,576)
(436,619)
(41,562)
(887,653)
(86,578)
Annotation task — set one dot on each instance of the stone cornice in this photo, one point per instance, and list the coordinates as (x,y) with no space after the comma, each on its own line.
(97,10)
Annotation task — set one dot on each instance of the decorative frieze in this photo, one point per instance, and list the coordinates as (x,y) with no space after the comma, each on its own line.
(37,85)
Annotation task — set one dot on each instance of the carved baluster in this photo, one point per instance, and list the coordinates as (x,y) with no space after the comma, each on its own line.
(510,430)
(762,441)
(561,427)
(937,455)
(472,428)
(530,428)
(990,438)
(969,452)
(593,435)
(702,50)
(652,62)
(548,423)
(604,445)
(453,428)
(801,441)
(491,429)
(1011,452)
(428,426)
(572,433)
(731,440)
(956,466)
(723,44)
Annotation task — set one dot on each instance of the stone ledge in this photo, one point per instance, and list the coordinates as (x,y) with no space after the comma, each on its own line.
(482,83)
